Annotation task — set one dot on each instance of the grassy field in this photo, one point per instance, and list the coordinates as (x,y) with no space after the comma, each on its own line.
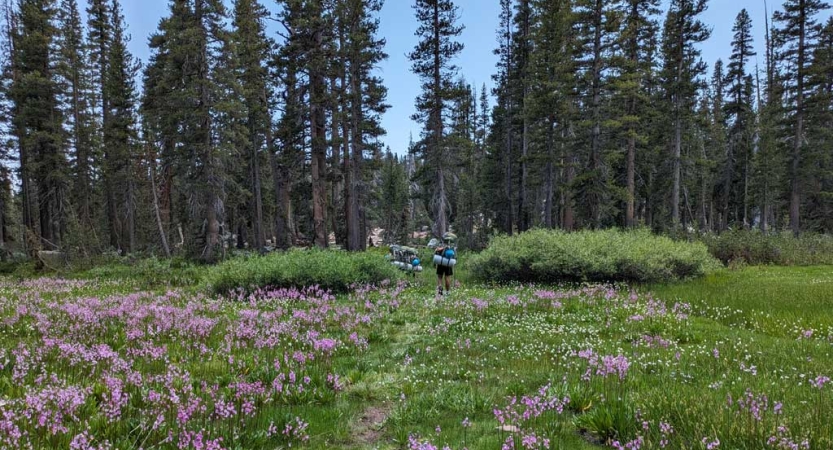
(738,360)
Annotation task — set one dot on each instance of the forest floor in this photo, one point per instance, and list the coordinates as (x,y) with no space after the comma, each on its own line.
(738,360)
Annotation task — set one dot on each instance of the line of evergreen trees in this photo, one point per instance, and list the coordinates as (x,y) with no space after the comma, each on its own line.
(605,116)
(231,135)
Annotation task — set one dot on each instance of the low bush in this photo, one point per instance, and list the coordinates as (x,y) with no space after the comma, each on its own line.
(544,256)
(780,249)
(152,271)
(332,270)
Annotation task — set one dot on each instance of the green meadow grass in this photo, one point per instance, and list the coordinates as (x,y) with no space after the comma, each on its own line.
(433,364)
(781,301)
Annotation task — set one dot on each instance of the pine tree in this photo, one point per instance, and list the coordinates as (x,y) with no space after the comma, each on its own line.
(120,132)
(316,54)
(252,50)
(366,99)
(465,196)
(504,113)
(796,41)
(7,135)
(37,123)
(521,56)
(73,71)
(431,60)
(289,133)
(593,19)
(184,88)
(739,110)
(769,164)
(552,98)
(819,202)
(393,199)
(682,67)
(638,31)
(100,36)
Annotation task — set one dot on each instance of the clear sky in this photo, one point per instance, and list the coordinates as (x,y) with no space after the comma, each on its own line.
(477,61)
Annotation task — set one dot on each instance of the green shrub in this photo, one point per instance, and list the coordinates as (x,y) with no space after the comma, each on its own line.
(333,270)
(544,256)
(781,249)
(151,271)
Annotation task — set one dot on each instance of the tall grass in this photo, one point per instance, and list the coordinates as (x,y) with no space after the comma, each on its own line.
(782,249)
(545,256)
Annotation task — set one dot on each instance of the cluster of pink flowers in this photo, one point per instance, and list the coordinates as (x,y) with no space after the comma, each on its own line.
(604,366)
(783,441)
(515,415)
(516,412)
(148,358)
(711,444)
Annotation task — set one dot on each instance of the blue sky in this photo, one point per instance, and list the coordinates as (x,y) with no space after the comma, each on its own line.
(477,61)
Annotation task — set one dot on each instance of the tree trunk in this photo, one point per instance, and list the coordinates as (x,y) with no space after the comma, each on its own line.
(595,146)
(677,174)
(630,210)
(318,135)
(678,138)
(795,166)
(523,210)
(281,218)
(257,192)
(161,228)
(212,232)
(549,186)
(335,187)
(727,185)
(353,160)
(131,214)
(630,173)
(569,177)
(436,119)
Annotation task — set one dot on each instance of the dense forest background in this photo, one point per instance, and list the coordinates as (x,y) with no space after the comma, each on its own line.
(604,115)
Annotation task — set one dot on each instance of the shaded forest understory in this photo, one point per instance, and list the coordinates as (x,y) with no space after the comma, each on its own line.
(232,135)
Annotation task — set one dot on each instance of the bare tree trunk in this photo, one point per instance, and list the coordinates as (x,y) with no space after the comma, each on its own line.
(162,236)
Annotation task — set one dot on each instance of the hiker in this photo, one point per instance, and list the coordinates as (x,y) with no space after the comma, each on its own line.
(445,259)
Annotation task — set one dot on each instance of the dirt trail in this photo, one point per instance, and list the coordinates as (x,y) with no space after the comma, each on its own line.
(368,430)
